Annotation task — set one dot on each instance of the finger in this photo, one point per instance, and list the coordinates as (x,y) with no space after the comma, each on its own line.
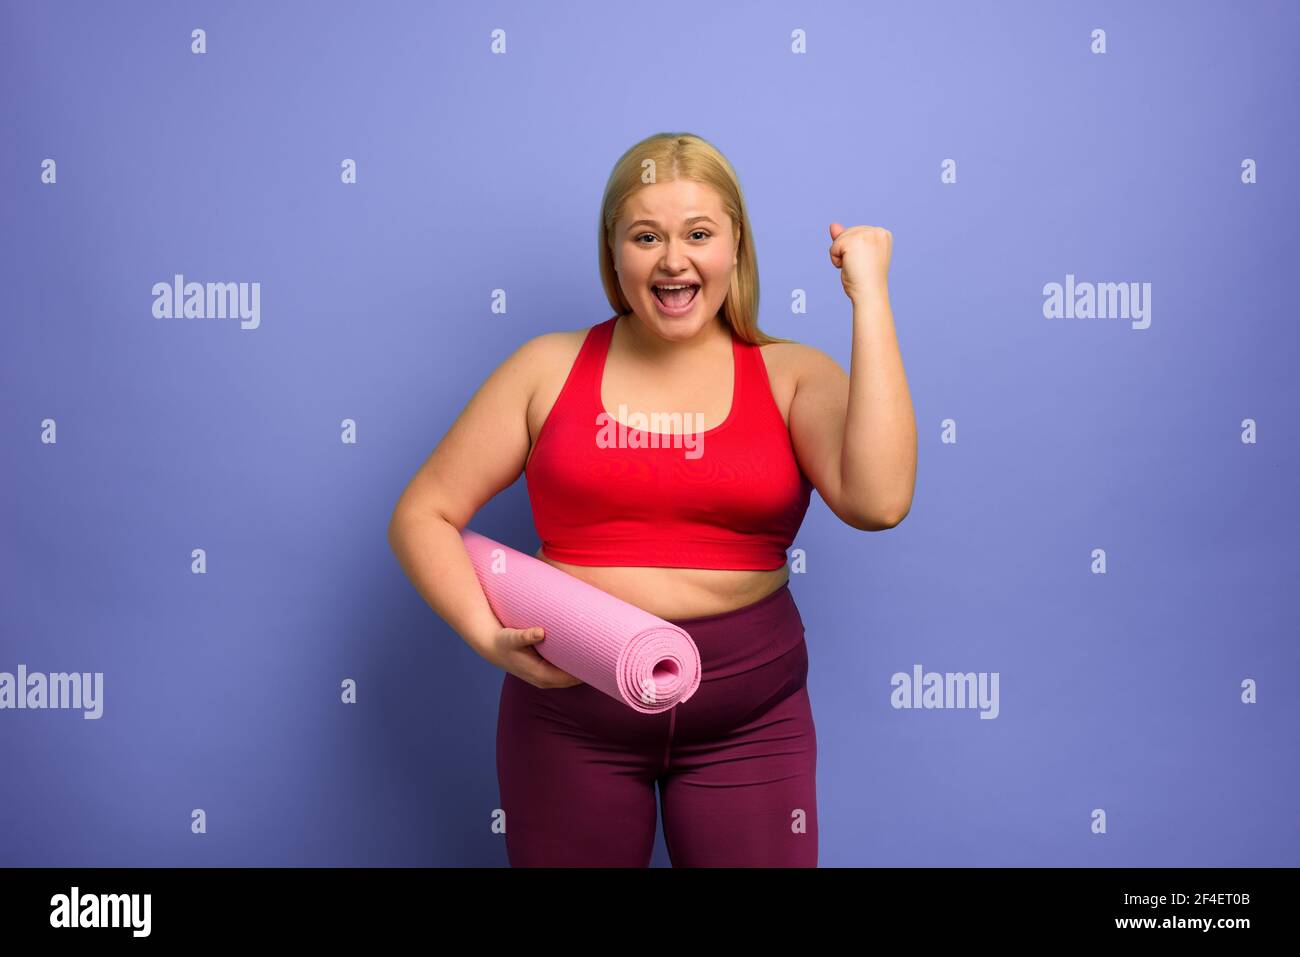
(836,229)
(538,667)
(837,246)
(530,636)
(546,673)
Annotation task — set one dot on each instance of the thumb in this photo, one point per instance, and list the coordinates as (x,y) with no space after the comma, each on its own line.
(531,636)
(836,229)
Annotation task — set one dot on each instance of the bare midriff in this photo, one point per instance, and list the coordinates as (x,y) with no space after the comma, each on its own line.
(673,593)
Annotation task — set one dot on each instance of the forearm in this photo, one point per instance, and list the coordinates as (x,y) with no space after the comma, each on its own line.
(878,458)
(431,552)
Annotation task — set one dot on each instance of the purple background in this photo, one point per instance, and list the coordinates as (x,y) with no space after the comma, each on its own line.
(1118,691)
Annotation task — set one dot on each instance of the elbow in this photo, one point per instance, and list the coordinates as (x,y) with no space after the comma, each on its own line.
(895,515)
(880,521)
(407,520)
(896,518)
(397,525)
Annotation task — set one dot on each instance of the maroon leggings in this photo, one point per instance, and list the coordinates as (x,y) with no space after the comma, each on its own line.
(735,765)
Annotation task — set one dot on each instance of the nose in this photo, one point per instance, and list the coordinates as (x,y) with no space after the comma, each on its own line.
(674,260)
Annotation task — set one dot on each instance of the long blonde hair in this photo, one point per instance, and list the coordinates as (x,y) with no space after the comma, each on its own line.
(667,157)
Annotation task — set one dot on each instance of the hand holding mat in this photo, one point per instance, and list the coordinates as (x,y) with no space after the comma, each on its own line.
(620,649)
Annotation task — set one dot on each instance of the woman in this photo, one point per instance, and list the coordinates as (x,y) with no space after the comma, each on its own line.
(682,500)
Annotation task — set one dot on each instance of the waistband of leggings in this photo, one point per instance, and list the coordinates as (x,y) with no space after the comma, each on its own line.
(771,598)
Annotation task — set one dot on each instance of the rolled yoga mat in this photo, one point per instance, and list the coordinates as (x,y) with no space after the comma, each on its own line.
(620,649)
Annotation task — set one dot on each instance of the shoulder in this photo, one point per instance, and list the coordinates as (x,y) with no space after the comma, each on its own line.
(553,352)
(796,362)
(541,355)
(543,363)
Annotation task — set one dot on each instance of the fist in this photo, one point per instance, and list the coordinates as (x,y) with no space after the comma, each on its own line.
(861,254)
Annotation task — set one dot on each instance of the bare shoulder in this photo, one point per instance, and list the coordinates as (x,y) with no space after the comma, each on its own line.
(552,353)
(548,359)
(550,345)
(789,363)
(533,361)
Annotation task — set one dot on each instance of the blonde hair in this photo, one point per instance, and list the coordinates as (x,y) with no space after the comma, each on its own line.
(685,156)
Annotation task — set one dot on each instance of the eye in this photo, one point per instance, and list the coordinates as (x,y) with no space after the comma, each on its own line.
(640,236)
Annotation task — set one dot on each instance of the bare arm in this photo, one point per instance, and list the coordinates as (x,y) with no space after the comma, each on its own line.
(856,438)
(858,432)
(483,452)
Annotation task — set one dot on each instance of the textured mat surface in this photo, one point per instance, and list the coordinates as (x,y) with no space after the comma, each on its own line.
(626,652)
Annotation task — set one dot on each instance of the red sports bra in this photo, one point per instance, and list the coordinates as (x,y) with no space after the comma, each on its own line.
(604,493)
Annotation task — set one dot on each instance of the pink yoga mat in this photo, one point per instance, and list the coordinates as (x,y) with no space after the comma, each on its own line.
(620,649)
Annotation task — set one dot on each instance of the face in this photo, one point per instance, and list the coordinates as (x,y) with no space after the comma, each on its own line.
(675,233)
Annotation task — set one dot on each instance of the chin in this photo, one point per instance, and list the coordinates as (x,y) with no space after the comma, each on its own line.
(676,327)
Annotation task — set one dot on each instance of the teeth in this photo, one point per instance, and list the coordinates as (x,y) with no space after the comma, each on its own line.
(685,285)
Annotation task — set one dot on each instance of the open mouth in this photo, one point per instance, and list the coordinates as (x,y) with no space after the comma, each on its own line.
(676,295)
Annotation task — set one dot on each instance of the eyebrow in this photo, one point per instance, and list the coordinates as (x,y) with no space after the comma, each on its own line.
(651,222)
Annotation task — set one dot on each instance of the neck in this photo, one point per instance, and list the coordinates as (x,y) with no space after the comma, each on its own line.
(645,342)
